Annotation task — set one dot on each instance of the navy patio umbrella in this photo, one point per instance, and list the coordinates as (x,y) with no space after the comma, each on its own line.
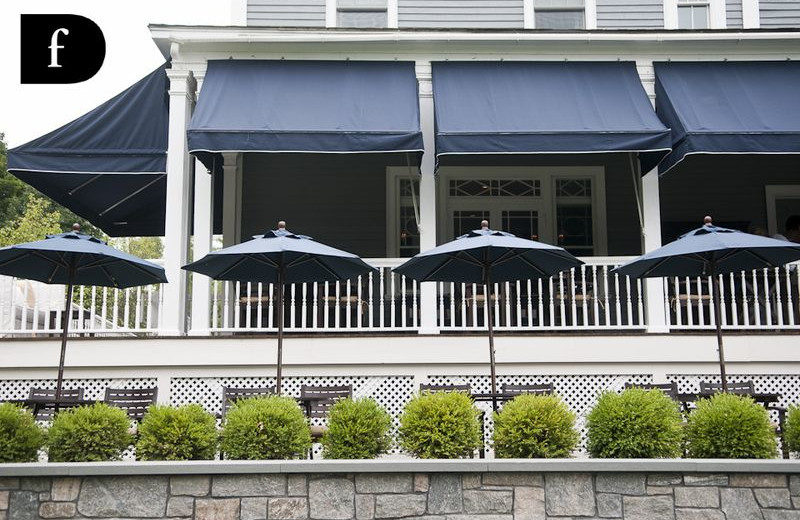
(712,251)
(75,258)
(280,257)
(487,256)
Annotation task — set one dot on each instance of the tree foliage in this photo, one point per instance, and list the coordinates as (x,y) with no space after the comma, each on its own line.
(37,221)
(13,192)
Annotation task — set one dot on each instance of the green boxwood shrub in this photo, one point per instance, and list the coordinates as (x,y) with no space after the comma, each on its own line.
(730,426)
(185,433)
(635,423)
(357,429)
(535,426)
(20,437)
(791,434)
(260,428)
(441,425)
(89,434)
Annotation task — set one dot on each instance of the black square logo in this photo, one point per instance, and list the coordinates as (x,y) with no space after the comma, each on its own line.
(59,48)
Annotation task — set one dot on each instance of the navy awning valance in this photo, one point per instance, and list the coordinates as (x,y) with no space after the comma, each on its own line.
(544,107)
(109,165)
(729,107)
(306,107)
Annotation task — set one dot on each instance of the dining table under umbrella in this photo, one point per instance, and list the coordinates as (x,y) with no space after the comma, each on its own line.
(486,256)
(710,251)
(75,258)
(280,257)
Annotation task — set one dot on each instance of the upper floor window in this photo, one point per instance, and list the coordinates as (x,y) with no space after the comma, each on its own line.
(559,14)
(361,13)
(693,14)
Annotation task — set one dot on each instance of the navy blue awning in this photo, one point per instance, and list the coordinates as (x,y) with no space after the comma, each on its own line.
(306,107)
(109,165)
(544,107)
(729,107)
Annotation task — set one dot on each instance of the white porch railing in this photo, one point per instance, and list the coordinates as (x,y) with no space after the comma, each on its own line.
(585,298)
(758,299)
(33,308)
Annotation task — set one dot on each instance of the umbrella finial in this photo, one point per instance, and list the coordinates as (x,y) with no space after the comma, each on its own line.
(281,224)
(484,224)
(707,221)
(76,227)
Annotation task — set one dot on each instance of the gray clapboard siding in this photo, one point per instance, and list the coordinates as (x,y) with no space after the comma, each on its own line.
(494,14)
(779,13)
(733,13)
(630,14)
(286,13)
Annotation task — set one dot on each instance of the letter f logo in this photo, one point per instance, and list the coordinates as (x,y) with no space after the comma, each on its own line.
(54,46)
(76,48)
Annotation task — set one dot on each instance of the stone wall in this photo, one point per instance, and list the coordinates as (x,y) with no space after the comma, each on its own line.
(409,495)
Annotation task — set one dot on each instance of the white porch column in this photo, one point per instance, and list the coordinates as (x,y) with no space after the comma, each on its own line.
(231,198)
(427,195)
(176,234)
(203,235)
(651,239)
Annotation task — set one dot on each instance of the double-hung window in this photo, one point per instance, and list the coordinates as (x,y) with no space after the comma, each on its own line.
(361,13)
(559,14)
(693,14)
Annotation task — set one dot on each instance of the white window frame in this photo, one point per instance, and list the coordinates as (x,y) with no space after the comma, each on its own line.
(773,193)
(717,16)
(332,12)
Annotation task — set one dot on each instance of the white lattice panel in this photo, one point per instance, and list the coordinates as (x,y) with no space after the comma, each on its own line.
(578,391)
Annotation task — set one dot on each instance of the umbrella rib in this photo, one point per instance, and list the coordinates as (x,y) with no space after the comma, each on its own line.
(110,276)
(328,269)
(12,260)
(233,266)
(534,266)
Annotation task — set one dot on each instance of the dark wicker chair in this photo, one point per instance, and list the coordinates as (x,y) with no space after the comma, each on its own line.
(515,390)
(670,389)
(46,413)
(445,388)
(742,388)
(231,394)
(133,400)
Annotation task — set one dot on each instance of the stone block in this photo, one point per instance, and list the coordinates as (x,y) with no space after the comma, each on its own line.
(216,509)
(699,514)
(778,514)
(3,500)
(297,486)
(705,480)
(775,498)
(488,502)
(471,480)
(44,497)
(757,480)
(9,483)
(700,496)
(254,508)
(23,505)
(483,517)
(529,503)
(739,504)
(569,494)
(254,485)
(331,498)
(65,489)
(794,485)
(609,505)
(384,483)
(664,479)
(180,506)
(35,484)
(422,482)
(292,508)
(129,496)
(513,479)
(796,502)
(622,483)
(399,506)
(57,510)
(444,494)
(659,490)
(365,507)
(194,486)
(648,508)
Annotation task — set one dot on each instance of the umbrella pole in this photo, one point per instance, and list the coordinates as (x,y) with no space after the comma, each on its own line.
(489,319)
(718,319)
(64,330)
(280,331)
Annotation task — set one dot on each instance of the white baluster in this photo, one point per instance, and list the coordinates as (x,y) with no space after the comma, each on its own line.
(756,300)
(734,304)
(640,301)
(778,297)
(260,305)
(414,303)
(628,300)
(551,303)
(452,305)
(114,308)
(606,292)
(271,307)
(790,270)
(237,305)
(304,306)
(292,307)
(563,299)
(617,300)
(226,304)
(745,300)
(149,309)
(381,294)
(315,306)
(767,296)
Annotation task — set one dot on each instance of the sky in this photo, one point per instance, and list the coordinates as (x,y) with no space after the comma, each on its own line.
(29,111)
